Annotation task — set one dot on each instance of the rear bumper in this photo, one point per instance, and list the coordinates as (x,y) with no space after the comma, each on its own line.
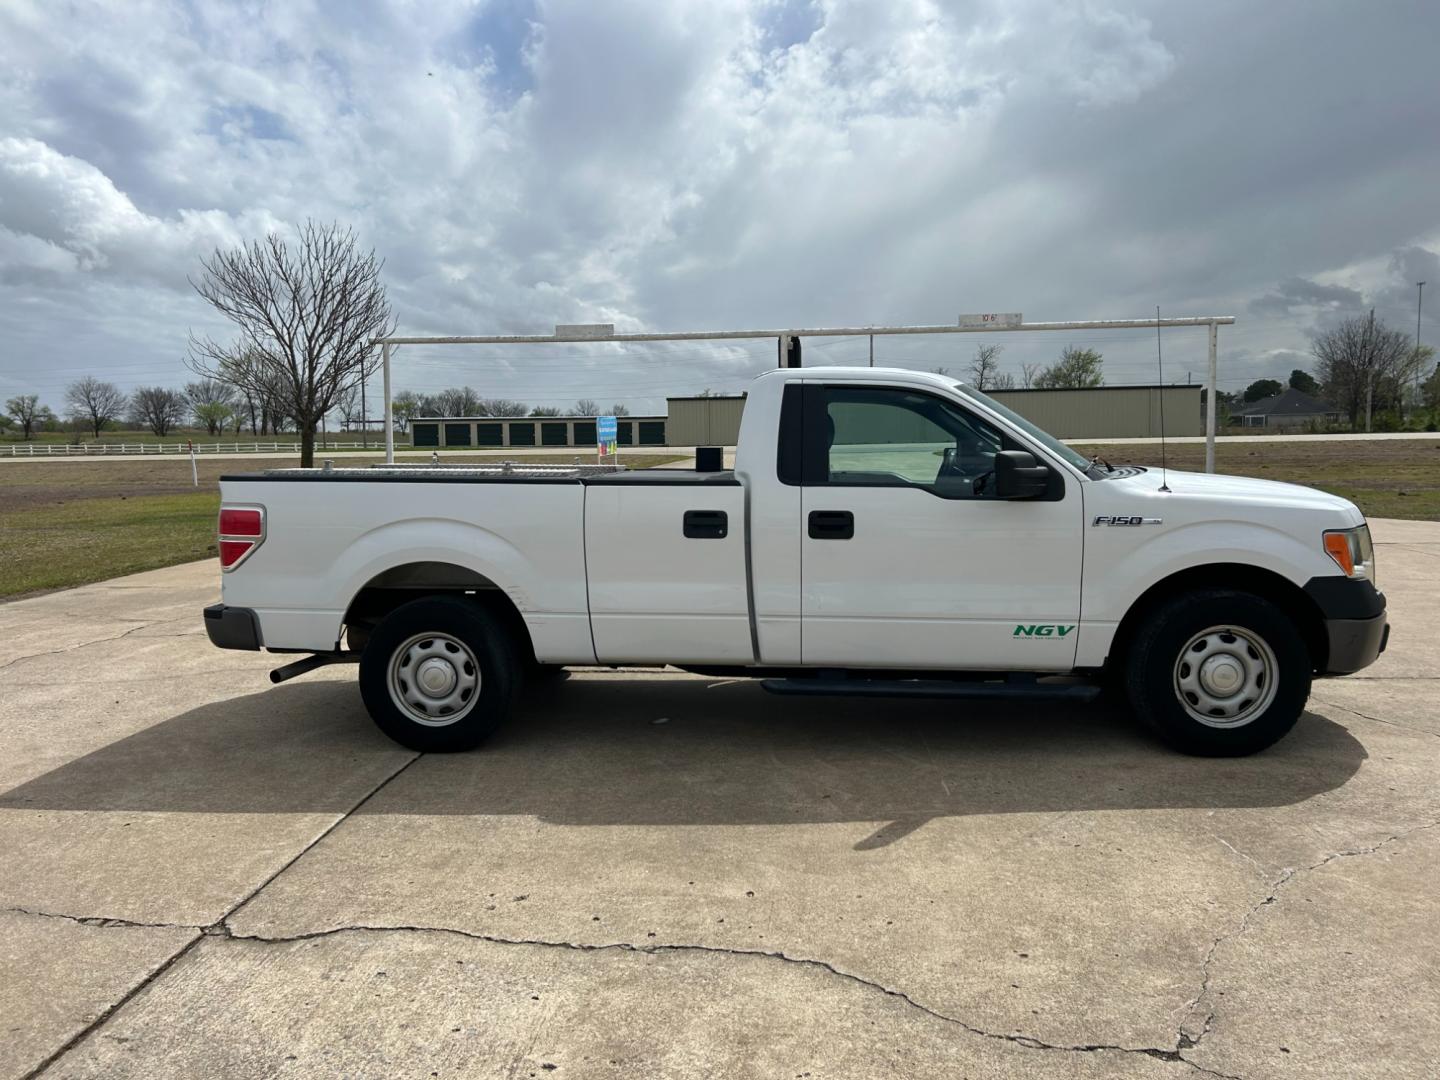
(1356,627)
(232,627)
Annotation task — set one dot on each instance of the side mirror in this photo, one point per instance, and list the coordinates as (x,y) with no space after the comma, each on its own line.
(1018,477)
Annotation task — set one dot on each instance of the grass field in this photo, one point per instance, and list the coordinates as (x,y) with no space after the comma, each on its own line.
(73,522)
(70,523)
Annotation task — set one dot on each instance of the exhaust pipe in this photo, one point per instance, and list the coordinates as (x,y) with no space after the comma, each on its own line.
(310,663)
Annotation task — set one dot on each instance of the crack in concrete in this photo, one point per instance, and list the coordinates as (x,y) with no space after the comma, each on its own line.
(1377,719)
(1029,1042)
(218,928)
(103,920)
(73,648)
(1185,1040)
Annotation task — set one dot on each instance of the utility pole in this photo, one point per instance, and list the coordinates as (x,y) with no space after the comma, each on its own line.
(364,416)
(1419,299)
(1369,368)
(872,340)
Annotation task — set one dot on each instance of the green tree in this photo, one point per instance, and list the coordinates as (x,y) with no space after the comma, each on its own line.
(1261,389)
(1077,369)
(404,407)
(1430,389)
(1302,380)
(214,415)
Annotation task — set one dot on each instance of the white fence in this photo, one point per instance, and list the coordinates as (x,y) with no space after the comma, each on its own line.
(30,449)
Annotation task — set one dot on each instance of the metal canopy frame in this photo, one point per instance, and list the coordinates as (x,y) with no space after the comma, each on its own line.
(589,335)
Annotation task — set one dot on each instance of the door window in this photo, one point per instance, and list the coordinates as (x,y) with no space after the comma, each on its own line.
(891,437)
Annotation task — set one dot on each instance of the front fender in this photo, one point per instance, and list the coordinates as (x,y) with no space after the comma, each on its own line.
(1122,564)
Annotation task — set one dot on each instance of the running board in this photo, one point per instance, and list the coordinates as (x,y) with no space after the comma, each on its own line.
(934,688)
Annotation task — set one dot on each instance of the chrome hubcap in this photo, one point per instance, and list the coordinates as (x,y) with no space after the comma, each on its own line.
(1225,676)
(434,679)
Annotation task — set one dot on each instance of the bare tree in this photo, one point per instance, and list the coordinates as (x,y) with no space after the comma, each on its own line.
(26,410)
(1028,374)
(619,410)
(545,410)
(984,366)
(308,314)
(585,407)
(1362,359)
(1077,369)
(1002,381)
(158,408)
(347,404)
(503,407)
(453,401)
(95,402)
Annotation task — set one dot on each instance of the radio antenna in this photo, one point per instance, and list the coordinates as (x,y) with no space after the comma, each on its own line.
(1160,367)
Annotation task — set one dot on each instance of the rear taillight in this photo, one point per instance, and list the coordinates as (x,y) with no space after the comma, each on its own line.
(242,530)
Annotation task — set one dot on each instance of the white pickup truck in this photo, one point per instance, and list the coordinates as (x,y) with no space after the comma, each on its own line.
(883,532)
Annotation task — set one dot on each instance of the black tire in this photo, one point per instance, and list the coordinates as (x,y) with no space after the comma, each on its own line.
(1157,671)
(438,631)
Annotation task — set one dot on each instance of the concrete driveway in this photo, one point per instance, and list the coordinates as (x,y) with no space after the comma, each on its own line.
(662,875)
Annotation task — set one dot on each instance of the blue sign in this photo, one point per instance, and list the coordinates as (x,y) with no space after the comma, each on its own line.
(607,435)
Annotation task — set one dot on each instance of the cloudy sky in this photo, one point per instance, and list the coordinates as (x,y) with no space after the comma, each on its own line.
(717,164)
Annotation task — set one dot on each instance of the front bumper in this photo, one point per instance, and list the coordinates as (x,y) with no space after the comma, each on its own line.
(1355,643)
(1356,627)
(232,627)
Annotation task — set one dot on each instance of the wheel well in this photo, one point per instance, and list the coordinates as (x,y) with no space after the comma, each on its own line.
(1286,595)
(399,585)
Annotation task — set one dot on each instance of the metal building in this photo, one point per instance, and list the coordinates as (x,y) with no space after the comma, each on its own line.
(704,421)
(497,431)
(1109,412)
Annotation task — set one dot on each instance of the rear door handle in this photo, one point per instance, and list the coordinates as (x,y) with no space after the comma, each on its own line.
(706,524)
(831,525)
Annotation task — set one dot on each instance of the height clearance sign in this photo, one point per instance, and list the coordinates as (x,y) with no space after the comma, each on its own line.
(606,437)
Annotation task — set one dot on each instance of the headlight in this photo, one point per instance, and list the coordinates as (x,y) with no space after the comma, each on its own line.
(1352,551)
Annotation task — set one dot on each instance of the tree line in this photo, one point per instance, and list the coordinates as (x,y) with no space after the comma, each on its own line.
(95,406)
(1361,366)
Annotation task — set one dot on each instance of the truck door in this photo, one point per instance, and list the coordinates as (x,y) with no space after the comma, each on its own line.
(907,558)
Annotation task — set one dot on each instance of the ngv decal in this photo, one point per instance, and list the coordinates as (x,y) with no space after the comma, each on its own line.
(1041,630)
(1106,519)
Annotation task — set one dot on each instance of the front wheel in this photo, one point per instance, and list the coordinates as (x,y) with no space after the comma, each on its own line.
(438,675)
(1219,673)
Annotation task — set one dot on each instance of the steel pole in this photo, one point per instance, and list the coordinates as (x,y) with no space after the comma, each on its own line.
(1210,401)
(1419,299)
(389,416)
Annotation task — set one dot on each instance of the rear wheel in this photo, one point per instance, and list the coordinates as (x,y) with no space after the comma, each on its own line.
(438,675)
(1219,673)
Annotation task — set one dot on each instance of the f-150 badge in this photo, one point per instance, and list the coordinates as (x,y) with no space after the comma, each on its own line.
(1105,519)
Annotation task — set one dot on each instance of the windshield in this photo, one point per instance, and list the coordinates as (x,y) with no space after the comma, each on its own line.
(1041,436)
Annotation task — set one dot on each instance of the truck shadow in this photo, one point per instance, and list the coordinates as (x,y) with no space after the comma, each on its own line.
(662,750)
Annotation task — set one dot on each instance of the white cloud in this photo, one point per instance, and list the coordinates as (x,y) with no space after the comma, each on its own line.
(731,162)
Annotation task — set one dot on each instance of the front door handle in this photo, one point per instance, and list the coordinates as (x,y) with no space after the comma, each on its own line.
(831,525)
(706,524)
